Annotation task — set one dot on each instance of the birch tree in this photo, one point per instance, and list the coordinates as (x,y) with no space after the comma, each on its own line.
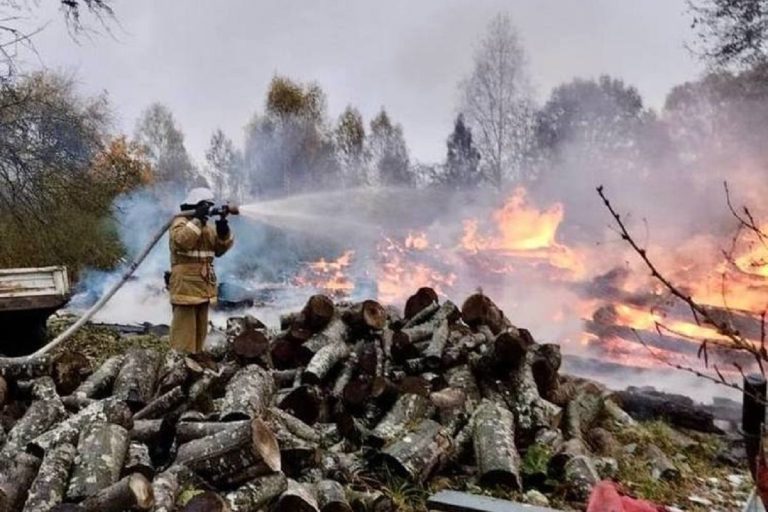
(496,102)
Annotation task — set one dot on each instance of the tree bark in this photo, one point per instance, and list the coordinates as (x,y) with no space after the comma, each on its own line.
(434,352)
(38,419)
(409,409)
(13,488)
(324,361)
(248,394)
(108,410)
(135,382)
(297,497)
(138,460)
(101,452)
(335,332)
(257,494)
(419,452)
(99,382)
(647,404)
(4,395)
(498,462)
(25,369)
(331,497)
(461,377)
(166,487)
(133,492)
(190,430)
(161,405)
(220,451)
(303,402)
(50,485)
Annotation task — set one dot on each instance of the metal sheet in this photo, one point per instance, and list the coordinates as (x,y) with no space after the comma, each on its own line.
(454,501)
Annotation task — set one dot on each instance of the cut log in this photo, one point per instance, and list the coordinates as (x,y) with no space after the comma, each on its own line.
(44,388)
(249,394)
(161,405)
(295,426)
(157,434)
(423,299)
(365,316)
(297,497)
(166,487)
(135,382)
(257,494)
(419,452)
(303,402)
(38,419)
(49,487)
(138,460)
(133,492)
(479,309)
(177,371)
(69,369)
(370,501)
(317,312)
(108,410)
(331,497)
(434,352)
(13,369)
(498,462)
(14,487)
(249,346)
(335,332)
(213,453)
(100,382)
(646,404)
(324,361)
(582,411)
(101,453)
(206,502)
(408,410)
(189,430)
(460,377)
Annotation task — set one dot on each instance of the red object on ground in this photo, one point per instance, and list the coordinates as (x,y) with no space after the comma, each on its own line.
(605,497)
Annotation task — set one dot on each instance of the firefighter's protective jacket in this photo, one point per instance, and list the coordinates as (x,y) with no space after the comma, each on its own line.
(193,247)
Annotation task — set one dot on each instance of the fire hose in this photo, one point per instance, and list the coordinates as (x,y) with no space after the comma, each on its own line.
(222,211)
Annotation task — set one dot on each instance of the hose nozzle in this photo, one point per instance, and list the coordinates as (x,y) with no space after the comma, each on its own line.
(224,210)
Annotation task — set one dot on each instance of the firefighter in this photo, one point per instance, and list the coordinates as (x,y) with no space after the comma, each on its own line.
(192,284)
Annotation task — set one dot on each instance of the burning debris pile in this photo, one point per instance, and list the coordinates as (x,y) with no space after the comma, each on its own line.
(313,416)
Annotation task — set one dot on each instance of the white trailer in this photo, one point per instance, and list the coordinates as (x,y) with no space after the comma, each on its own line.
(28,296)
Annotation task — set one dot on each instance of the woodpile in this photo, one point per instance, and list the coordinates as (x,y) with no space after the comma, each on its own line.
(307,417)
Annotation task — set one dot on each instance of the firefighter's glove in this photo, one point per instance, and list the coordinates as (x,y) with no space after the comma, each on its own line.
(222,229)
(201,212)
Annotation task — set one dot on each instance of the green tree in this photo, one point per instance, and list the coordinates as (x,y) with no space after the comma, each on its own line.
(289,149)
(163,143)
(462,160)
(351,148)
(54,204)
(389,152)
(731,32)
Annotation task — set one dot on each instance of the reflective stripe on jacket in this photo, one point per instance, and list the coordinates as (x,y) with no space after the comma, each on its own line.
(193,247)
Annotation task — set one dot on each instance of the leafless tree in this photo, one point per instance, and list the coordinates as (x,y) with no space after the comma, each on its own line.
(497,102)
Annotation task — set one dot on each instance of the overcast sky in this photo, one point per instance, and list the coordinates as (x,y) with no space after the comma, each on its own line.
(211,61)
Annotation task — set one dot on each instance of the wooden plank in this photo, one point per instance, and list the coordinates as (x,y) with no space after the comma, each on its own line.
(454,501)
